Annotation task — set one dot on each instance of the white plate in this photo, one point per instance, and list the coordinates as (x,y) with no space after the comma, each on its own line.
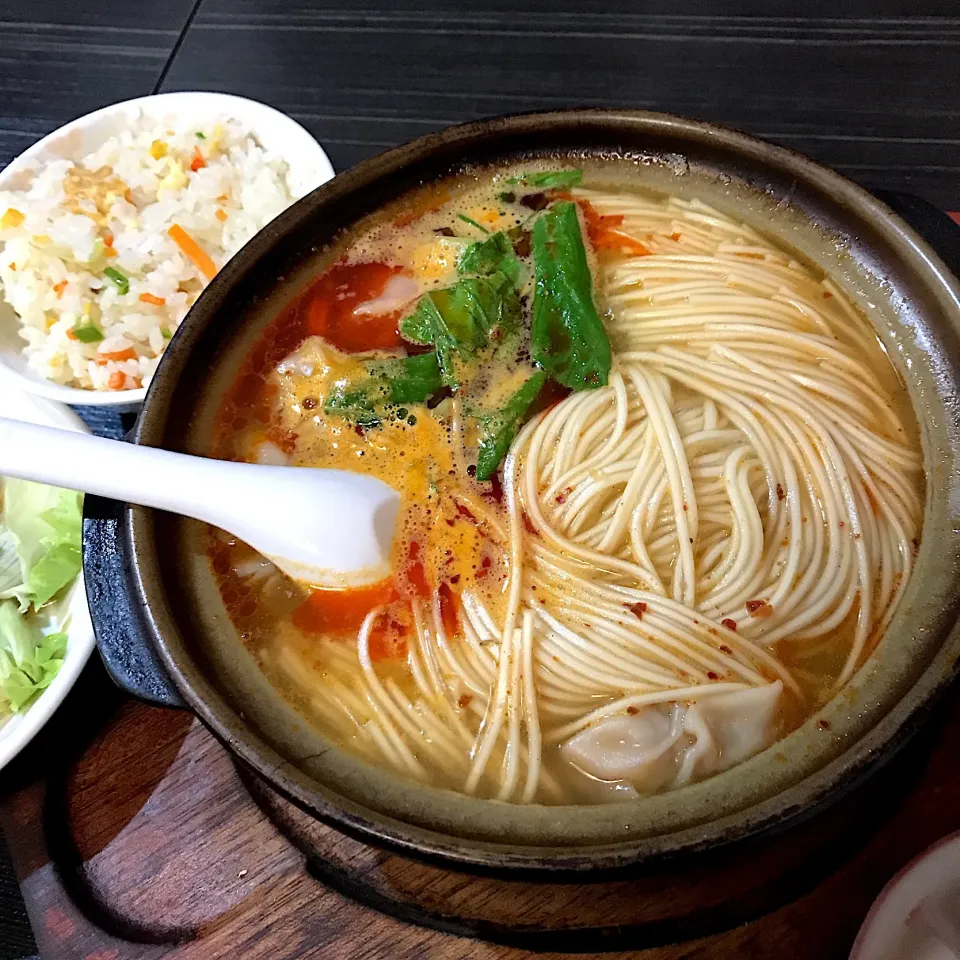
(933,879)
(308,168)
(17,732)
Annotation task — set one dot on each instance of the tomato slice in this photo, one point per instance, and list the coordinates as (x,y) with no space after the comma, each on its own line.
(331,302)
(602,229)
(341,611)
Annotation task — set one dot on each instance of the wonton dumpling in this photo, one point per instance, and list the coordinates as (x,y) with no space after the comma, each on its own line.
(401,289)
(701,757)
(590,790)
(311,358)
(639,749)
(729,728)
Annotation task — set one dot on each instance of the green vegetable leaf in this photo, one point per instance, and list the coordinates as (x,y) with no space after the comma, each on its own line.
(355,404)
(499,429)
(427,325)
(45,523)
(567,336)
(490,256)
(88,333)
(11,573)
(467,313)
(408,379)
(552,179)
(424,324)
(402,380)
(459,320)
(120,280)
(472,222)
(28,660)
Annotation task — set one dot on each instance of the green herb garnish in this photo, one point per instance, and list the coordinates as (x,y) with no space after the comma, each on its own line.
(88,333)
(351,403)
(201,135)
(551,179)
(459,320)
(475,328)
(120,280)
(493,255)
(407,379)
(472,222)
(567,336)
(499,429)
(437,321)
(403,380)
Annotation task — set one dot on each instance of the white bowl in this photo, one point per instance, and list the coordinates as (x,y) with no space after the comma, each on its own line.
(308,168)
(70,609)
(894,931)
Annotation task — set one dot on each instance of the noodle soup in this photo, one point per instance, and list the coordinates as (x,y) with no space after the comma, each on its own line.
(660,488)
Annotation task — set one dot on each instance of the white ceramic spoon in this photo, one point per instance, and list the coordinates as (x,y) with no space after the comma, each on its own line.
(328,528)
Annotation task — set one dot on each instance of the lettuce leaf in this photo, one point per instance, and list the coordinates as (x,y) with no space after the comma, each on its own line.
(45,524)
(11,572)
(28,660)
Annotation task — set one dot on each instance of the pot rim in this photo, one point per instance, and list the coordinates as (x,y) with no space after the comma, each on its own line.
(781,810)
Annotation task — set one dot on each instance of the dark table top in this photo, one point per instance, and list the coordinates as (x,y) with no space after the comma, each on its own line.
(870,88)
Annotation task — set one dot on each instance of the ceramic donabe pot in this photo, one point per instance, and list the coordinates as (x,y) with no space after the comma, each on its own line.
(166,635)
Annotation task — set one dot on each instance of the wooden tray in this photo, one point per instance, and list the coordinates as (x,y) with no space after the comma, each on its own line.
(144,841)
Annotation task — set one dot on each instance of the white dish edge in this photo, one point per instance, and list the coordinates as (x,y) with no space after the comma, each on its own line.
(17,732)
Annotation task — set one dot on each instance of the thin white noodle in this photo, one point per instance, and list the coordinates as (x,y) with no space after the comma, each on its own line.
(743,487)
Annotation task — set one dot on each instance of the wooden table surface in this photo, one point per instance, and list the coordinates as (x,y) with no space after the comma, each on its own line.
(130,830)
(135,837)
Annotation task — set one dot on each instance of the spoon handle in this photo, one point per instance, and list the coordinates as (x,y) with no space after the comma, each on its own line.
(108,468)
